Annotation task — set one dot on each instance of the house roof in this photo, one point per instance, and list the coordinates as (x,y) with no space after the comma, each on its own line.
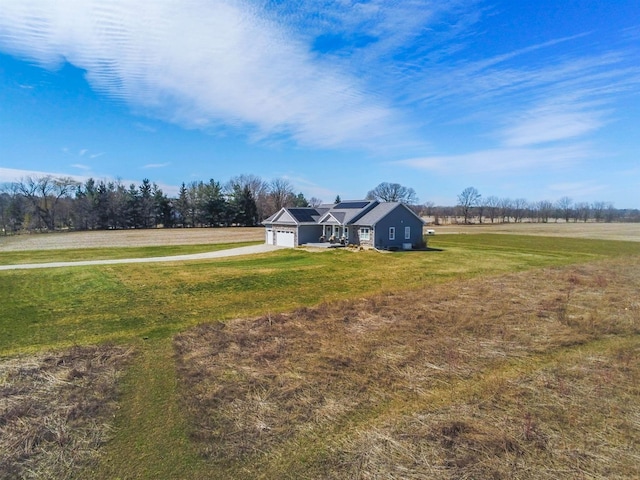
(345,213)
(350,212)
(296,215)
(305,215)
(380,211)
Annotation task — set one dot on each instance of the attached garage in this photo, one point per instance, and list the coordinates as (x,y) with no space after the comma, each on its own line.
(285,239)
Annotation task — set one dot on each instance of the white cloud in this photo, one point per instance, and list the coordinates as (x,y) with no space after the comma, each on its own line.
(551,122)
(577,190)
(81,166)
(310,188)
(10,175)
(202,64)
(156,165)
(502,160)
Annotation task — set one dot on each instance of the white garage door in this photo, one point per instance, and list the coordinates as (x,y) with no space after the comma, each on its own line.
(285,239)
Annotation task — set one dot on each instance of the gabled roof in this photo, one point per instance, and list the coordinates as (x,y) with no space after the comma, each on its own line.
(296,215)
(351,212)
(382,210)
(305,214)
(334,218)
(345,213)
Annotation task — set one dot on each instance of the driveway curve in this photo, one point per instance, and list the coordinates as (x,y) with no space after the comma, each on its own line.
(231,252)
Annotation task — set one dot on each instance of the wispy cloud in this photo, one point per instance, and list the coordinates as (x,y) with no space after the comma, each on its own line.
(81,166)
(144,127)
(551,122)
(83,153)
(538,113)
(503,160)
(311,188)
(156,165)
(380,74)
(201,64)
(10,175)
(577,189)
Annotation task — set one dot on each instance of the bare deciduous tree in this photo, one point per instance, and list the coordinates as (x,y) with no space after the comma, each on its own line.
(393,192)
(315,202)
(44,194)
(468,199)
(544,210)
(492,205)
(520,206)
(564,207)
(280,194)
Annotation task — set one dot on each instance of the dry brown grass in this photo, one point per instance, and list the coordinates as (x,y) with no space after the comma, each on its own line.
(129,238)
(598,231)
(529,375)
(55,410)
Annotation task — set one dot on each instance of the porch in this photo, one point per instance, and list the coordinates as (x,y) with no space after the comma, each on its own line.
(324,245)
(335,235)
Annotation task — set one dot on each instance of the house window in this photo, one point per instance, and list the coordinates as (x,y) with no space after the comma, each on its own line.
(407,233)
(365,233)
(392,233)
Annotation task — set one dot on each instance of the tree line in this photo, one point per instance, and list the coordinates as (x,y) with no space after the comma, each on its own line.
(473,208)
(47,203)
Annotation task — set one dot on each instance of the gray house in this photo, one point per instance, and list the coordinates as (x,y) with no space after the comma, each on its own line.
(381,225)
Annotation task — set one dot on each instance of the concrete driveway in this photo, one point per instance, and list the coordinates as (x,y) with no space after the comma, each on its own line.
(231,252)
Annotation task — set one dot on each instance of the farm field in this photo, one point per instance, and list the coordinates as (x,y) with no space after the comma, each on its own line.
(129,238)
(600,231)
(490,356)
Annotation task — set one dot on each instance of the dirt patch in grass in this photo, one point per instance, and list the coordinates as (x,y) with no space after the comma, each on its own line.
(56,410)
(129,238)
(427,383)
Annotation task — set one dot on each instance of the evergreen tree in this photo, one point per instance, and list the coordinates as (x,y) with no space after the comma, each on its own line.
(243,207)
(133,209)
(182,206)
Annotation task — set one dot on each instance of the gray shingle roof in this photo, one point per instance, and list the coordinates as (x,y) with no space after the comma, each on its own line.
(380,211)
(353,209)
(351,212)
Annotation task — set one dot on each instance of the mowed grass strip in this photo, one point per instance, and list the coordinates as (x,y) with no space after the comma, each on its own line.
(79,254)
(150,439)
(473,379)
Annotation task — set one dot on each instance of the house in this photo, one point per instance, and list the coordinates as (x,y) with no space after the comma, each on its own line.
(383,225)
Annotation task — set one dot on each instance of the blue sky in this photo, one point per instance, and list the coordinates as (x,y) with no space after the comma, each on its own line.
(519,99)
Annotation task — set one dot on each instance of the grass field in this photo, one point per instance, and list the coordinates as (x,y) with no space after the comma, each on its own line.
(485,357)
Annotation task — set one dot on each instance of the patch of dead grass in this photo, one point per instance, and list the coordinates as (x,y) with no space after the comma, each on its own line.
(577,419)
(55,410)
(258,390)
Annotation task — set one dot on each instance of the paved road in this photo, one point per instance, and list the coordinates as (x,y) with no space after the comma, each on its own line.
(231,252)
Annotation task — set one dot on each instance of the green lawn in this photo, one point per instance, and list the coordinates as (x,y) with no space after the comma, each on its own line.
(146,304)
(52,308)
